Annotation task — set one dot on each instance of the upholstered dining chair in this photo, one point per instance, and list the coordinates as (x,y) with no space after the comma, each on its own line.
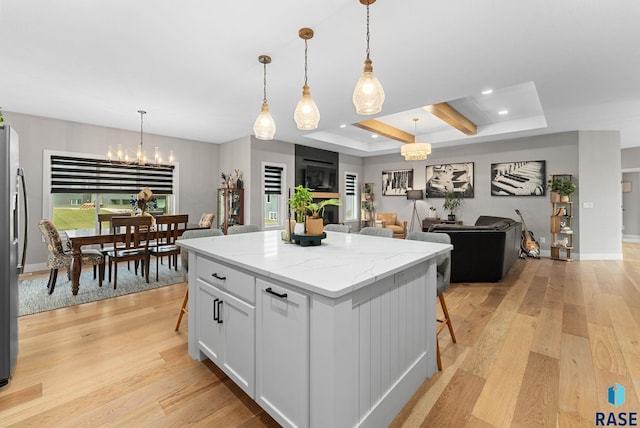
(134,246)
(332,227)
(443,267)
(242,228)
(184,260)
(58,257)
(377,231)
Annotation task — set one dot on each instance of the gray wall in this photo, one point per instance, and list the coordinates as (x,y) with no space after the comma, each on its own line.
(599,198)
(273,151)
(631,207)
(195,193)
(562,153)
(559,150)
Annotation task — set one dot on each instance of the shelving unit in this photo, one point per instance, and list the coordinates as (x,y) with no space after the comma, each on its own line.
(561,218)
(230,208)
(367,217)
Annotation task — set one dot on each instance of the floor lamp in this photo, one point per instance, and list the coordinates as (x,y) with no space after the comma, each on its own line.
(414,195)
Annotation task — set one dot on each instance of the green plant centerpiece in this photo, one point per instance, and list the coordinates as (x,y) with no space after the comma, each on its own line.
(452,201)
(299,203)
(562,186)
(315,222)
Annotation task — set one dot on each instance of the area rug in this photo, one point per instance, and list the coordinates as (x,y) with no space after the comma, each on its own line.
(34,298)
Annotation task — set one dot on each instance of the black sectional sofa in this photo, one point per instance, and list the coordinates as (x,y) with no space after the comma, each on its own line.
(485,251)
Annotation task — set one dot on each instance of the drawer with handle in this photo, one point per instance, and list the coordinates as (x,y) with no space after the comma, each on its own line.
(227,278)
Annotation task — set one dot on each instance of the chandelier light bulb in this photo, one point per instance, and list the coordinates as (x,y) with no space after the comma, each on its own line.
(264,127)
(306,114)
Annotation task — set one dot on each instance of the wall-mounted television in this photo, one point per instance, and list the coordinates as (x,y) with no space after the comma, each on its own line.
(320,179)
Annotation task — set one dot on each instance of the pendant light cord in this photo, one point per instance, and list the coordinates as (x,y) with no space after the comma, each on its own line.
(264,99)
(368,37)
(306,46)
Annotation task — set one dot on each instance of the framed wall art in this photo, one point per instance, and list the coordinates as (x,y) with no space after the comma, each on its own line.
(396,183)
(525,178)
(450,177)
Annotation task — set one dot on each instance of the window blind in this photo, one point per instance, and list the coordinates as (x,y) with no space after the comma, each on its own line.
(350,185)
(85,175)
(272,180)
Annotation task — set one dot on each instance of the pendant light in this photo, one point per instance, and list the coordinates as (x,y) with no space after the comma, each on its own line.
(415,150)
(368,96)
(264,127)
(306,113)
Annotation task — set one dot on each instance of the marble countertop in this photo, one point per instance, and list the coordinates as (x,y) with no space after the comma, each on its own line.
(343,263)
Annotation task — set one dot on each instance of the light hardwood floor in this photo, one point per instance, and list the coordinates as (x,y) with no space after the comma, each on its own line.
(540,348)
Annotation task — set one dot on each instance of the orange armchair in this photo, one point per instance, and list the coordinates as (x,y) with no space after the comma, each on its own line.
(390,221)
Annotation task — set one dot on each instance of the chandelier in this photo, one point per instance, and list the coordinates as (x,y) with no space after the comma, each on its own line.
(415,150)
(140,158)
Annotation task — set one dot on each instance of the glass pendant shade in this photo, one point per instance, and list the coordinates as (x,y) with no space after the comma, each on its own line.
(306,114)
(264,127)
(415,151)
(368,96)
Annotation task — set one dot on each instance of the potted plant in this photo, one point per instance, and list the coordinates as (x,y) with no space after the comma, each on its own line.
(298,202)
(432,212)
(452,201)
(315,222)
(563,187)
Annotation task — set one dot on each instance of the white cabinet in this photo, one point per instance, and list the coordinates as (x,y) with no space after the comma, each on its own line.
(282,353)
(225,332)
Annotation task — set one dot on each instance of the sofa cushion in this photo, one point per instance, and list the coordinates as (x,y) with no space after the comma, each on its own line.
(388,218)
(498,222)
(396,229)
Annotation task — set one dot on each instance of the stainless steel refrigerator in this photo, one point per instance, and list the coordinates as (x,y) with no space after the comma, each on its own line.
(13,244)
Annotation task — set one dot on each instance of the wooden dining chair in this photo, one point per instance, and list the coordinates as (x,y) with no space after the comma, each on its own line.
(131,237)
(168,229)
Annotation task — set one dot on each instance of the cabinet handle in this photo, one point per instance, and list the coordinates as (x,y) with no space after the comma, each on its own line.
(215,317)
(221,278)
(270,291)
(219,312)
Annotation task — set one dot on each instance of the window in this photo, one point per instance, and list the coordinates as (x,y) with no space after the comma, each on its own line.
(77,188)
(351,200)
(273,206)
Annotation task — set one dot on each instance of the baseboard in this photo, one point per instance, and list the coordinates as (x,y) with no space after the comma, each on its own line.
(631,238)
(607,256)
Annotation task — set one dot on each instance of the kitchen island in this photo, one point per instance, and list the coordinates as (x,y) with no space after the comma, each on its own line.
(340,334)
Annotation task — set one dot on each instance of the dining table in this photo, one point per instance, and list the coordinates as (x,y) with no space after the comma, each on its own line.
(79,238)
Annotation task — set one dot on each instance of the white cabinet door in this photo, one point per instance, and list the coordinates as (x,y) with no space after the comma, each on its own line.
(282,353)
(226,334)
(238,362)
(209,330)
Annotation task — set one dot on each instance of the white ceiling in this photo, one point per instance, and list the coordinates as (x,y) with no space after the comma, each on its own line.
(556,65)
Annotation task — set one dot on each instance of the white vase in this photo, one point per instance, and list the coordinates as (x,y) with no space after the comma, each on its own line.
(298,229)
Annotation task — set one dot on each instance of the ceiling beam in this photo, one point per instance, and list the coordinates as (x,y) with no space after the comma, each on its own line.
(385,130)
(452,117)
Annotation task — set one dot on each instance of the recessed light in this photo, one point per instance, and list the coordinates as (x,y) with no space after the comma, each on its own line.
(374,135)
(343,125)
(503,112)
(487,92)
